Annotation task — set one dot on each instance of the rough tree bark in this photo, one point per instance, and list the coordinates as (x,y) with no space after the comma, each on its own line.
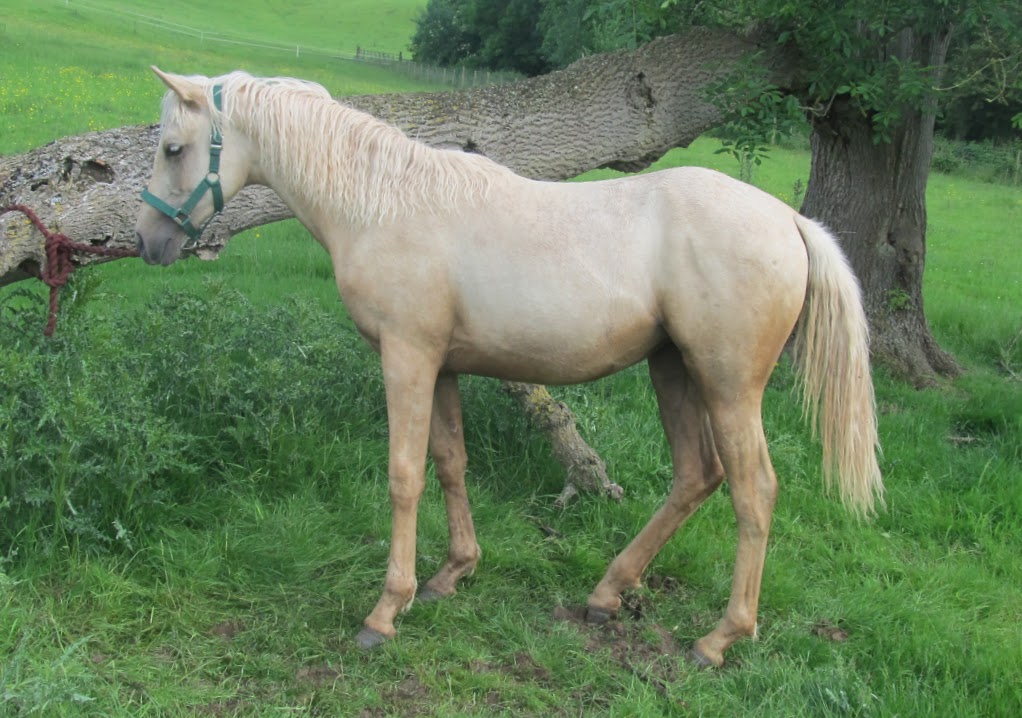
(622,110)
(874,195)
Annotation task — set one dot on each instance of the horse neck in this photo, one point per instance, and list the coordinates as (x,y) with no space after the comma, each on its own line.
(342,165)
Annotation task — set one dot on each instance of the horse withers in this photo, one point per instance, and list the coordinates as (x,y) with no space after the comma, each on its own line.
(451,264)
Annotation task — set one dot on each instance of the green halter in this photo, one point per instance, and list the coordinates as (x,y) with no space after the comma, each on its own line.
(210,183)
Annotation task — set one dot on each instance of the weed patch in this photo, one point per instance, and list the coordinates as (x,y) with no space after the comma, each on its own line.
(118,418)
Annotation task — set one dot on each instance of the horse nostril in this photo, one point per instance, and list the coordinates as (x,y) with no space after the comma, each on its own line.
(140,246)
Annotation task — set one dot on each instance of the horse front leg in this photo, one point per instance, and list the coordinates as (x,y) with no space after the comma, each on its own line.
(409,375)
(447,447)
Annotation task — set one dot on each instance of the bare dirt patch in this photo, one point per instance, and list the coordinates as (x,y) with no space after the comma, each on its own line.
(227,630)
(642,647)
(410,697)
(830,631)
(317,675)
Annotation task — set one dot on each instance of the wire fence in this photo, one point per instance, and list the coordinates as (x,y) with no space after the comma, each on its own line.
(460,77)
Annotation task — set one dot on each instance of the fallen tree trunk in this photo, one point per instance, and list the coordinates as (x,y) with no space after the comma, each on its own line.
(621,110)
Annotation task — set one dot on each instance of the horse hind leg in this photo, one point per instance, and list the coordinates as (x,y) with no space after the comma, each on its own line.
(697,474)
(447,447)
(738,429)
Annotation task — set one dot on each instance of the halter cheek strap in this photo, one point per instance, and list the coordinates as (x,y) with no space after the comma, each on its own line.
(210,183)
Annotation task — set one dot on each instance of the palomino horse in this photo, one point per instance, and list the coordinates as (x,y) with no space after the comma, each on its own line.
(449,263)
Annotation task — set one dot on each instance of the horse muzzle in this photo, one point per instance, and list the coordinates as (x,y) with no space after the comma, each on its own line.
(164,251)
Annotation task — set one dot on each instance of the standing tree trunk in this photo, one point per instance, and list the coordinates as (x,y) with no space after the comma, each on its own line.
(873,194)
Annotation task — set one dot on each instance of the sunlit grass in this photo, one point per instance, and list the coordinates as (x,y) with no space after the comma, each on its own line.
(60,74)
(234,587)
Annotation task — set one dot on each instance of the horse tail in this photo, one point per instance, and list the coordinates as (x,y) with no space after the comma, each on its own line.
(831,351)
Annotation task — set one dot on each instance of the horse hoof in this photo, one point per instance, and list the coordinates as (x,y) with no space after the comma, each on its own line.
(370,638)
(427,594)
(696,657)
(598,616)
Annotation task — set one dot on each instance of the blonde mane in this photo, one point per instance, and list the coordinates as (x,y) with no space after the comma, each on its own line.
(341,159)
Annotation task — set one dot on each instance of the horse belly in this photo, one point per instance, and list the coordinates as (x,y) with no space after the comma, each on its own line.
(568,365)
(553,342)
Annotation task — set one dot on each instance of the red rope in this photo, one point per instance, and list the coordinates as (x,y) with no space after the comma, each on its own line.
(59,252)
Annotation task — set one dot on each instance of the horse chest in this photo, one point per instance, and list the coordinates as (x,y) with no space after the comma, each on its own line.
(388,291)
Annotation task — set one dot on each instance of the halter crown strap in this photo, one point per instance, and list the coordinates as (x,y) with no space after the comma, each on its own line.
(210,183)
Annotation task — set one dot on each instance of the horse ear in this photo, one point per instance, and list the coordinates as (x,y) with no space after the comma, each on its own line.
(191,93)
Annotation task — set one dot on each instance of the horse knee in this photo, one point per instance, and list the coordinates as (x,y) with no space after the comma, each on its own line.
(405,491)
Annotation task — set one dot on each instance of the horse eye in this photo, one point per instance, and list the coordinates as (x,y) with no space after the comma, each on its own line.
(173,150)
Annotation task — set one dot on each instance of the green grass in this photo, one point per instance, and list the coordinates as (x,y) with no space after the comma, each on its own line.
(60,73)
(336,28)
(196,511)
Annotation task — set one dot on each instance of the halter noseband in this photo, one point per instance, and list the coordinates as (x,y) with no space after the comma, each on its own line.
(210,183)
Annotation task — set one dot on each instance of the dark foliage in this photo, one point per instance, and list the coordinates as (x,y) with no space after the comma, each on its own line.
(496,35)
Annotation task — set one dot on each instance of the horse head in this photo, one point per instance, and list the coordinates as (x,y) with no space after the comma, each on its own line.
(193,176)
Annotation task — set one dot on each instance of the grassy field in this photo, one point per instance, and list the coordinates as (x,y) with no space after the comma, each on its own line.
(193,500)
(60,74)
